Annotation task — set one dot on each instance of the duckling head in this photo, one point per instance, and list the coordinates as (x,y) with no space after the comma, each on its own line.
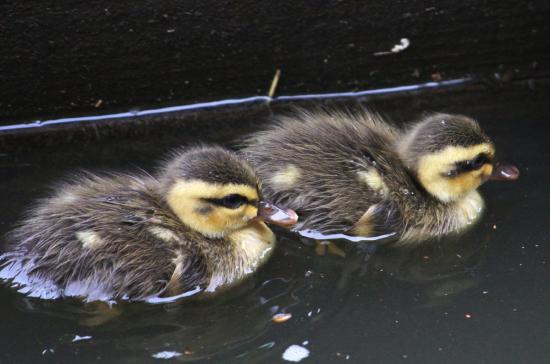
(215,192)
(451,156)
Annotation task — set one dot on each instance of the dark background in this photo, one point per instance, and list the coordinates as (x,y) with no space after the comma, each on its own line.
(61,59)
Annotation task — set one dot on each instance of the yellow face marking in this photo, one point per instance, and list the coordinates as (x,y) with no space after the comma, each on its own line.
(186,198)
(373,179)
(286,177)
(201,189)
(432,169)
(163,234)
(89,239)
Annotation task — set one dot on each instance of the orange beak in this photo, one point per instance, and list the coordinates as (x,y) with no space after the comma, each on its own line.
(273,214)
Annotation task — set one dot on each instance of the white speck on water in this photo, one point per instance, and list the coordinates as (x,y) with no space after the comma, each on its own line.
(267,345)
(166,355)
(295,353)
(80,338)
(309,313)
(305,343)
(48,351)
(485,292)
(404,43)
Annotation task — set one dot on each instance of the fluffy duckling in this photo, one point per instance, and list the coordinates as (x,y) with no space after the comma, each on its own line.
(198,225)
(358,174)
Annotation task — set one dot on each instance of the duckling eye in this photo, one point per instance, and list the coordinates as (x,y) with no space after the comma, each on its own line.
(231,201)
(469,165)
(479,161)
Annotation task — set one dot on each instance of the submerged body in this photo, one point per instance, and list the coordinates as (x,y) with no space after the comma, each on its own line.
(358,174)
(134,237)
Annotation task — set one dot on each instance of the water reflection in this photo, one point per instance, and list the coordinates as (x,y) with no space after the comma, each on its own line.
(238,323)
(440,269)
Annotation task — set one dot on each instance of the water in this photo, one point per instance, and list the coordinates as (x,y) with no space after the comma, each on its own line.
(479,298)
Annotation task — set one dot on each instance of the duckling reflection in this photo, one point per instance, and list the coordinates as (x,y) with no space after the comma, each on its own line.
(441,270)
(238,322)
(198,225)
(357,174)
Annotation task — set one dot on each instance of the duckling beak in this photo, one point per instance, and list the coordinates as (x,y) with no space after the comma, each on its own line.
(504,172)
(273,214)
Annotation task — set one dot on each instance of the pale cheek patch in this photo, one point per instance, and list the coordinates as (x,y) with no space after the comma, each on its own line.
(89,239)
(373,179)
(163,234)
(286,177)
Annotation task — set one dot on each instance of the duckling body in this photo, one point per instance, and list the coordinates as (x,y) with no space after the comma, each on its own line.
(123,236)
(358,174)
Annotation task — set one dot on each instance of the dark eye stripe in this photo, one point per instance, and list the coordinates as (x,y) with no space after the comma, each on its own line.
(231,201)
(470,165)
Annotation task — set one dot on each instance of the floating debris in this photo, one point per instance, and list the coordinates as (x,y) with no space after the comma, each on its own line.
(468,315)
(295,353)
(188,352)
(166,355)
(98,103)
(436,77)
(404,43)
(281,317)
(80,338)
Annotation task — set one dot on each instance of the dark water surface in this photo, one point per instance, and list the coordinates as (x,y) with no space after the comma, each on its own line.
(479,298)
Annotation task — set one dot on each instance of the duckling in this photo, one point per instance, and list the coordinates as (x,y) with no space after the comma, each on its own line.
(356,173)
(198,225)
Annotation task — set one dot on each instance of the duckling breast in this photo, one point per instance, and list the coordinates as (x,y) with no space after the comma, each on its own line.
(248,248)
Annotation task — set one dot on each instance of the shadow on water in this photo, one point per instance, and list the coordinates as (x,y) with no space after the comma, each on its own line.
(480,297)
